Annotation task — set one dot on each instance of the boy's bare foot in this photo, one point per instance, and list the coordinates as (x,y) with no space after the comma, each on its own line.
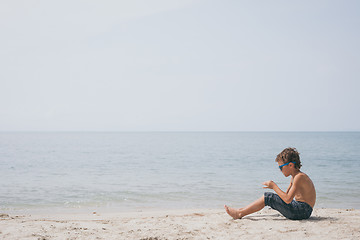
(234,213)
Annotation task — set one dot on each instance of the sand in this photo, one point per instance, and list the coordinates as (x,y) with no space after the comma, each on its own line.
(181,224)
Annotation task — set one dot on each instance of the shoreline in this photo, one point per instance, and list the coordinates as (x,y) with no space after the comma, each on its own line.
(180,224)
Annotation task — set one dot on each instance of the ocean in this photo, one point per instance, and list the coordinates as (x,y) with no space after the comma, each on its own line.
(136,171)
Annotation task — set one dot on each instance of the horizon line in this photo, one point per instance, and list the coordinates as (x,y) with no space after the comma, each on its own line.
(171,131)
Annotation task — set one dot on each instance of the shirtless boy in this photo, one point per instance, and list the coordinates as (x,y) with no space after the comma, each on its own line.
(301,187)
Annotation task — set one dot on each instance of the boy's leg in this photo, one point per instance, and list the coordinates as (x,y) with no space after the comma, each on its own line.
(251,208)
(295,210)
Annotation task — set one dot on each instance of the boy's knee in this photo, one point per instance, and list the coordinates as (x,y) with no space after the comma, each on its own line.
(268,197)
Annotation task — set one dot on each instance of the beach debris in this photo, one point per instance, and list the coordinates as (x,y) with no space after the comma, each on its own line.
(151,238)
(4,215)
(199,214)
(194,214)
(40,237)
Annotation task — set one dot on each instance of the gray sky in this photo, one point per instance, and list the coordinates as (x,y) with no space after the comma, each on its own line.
(179,65)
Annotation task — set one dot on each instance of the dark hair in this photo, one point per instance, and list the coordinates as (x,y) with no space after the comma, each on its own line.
(289,155)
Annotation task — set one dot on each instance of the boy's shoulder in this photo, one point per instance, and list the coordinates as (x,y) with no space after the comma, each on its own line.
(302,179)
(301,176)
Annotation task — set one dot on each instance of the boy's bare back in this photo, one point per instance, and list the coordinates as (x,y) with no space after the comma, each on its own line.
(305,189)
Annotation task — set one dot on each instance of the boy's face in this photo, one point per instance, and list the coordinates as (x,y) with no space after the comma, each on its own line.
(285,169)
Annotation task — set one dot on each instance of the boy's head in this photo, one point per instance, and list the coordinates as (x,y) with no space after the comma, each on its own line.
(289,155)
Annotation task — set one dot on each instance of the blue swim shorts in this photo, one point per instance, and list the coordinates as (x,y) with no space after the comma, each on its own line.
(294,210)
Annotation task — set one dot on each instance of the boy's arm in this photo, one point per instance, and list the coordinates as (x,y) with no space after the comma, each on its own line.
(289,195)
(292,179)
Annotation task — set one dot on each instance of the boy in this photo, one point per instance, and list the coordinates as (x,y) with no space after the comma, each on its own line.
(301,187)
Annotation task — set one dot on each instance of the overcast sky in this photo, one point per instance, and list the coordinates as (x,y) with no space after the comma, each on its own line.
(179,65)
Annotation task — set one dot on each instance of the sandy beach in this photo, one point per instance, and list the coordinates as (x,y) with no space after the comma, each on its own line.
(181,224)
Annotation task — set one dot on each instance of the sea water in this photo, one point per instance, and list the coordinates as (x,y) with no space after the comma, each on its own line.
(132,171)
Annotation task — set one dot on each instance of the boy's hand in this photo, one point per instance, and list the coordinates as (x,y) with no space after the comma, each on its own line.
(269,184)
